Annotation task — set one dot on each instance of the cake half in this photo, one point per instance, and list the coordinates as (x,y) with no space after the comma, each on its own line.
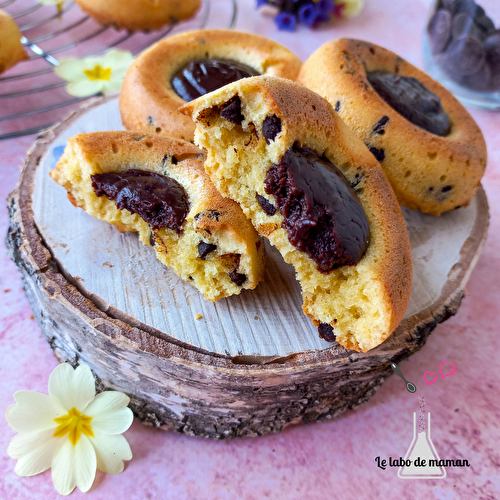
(158,187)
(311,187)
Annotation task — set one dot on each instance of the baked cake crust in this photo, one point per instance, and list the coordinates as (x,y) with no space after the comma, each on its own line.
(211,219)
(11,48)
(363,303)
(428,172)
(136,15)
(148,102)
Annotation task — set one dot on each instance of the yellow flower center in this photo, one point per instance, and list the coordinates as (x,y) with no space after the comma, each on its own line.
(74,423)
(98,73)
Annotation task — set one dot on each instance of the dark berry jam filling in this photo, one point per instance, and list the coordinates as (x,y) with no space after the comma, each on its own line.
(322,213)
(412,100)
(201,77)
(159,200)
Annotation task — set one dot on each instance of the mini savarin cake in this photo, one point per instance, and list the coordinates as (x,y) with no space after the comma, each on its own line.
(313,189)
(158,187)
(429,146)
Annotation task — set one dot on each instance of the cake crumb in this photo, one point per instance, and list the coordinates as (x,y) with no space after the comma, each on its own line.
(198,316)
(7,290)
(256,317)
(32,317)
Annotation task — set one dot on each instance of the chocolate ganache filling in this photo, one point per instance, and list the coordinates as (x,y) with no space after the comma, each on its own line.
(201,77)
(412,100)
(322,213)
(159,200)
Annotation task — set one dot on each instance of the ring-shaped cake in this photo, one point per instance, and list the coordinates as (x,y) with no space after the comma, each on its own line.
(431,149)
(208,59)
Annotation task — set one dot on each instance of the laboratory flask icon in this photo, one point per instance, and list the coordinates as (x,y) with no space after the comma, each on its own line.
(422,448)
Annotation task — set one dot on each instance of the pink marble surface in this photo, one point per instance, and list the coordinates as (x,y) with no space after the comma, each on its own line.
(329,460)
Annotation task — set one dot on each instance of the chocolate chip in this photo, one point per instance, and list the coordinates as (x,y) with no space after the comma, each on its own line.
(465,6)
(358,178)
(326,332)
(205,248)
(463,25)
(337,106)
(480,81)
(463,57)
(439,30)
(271,128)
(380,126)
(232,111)
(150,120)
(492,47)
(378,153)
(445,189)
(485,24)
(152,238)
(268,207)
(236,278)
(209,214)
(449,5)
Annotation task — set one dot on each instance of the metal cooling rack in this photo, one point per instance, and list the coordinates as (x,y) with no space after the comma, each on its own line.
(31,93)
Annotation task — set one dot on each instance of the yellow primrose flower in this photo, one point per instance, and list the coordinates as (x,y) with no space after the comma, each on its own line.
(71,430)
(350,8)
(58,3)
(92,75)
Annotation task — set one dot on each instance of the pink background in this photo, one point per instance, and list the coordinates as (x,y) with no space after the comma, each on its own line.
(328,460)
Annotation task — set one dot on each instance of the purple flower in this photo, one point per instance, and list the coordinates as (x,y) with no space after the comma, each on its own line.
(309,15)
(325,8)
(285,21)
(260,3)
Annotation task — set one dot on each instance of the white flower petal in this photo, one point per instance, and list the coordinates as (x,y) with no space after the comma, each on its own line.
(34,451)
(74,466)
(111,451)
(34,412)
(107,402)
(114,423)
(86,88)
(352,8)
(73,388)
(71,69)
(112,86)
(85,463)
(63,468)
(117,59)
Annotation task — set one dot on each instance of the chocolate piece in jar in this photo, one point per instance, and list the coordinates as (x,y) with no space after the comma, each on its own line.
(465,58)
(349,249)
(201,77)
(439,30)
(412,100)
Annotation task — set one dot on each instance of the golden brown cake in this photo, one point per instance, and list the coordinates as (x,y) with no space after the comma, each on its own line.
(144,15)
(431,149)
(157,186)
(313,189)
(11,48)
(156,81)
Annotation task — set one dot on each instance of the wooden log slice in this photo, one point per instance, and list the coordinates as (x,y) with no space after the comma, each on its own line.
(253,363)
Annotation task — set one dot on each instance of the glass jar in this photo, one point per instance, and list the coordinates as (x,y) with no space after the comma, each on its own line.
(461,46)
